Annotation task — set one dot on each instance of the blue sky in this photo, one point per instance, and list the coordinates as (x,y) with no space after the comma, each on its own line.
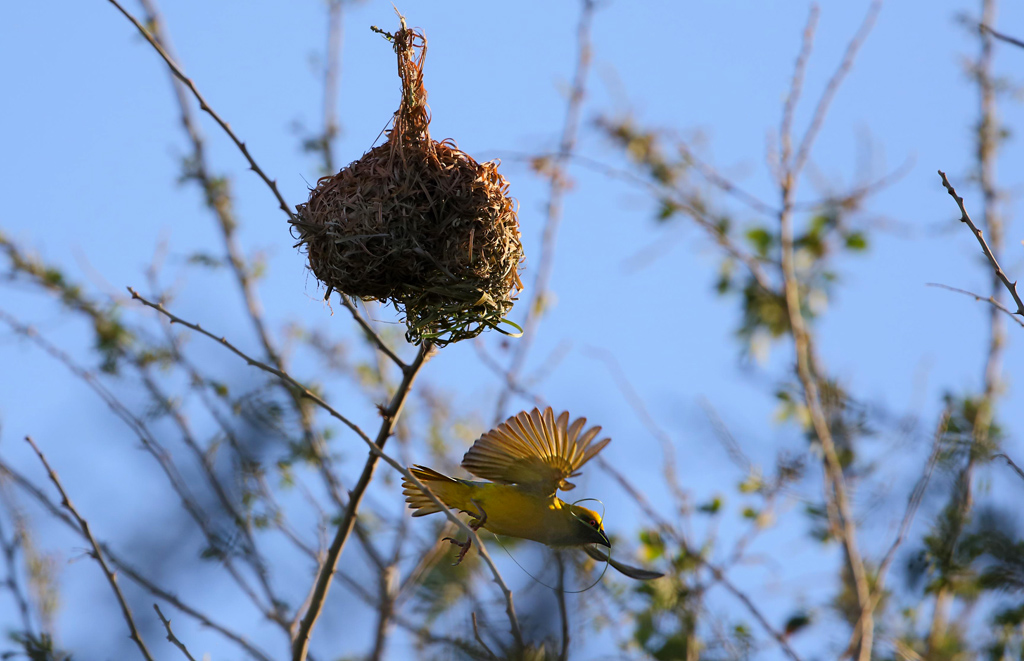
(92,147)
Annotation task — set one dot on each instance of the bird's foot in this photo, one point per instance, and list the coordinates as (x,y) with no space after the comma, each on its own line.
(463,546)
(481,517)
(475,524)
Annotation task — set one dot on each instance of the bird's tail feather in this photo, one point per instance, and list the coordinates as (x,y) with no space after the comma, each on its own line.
(418,501)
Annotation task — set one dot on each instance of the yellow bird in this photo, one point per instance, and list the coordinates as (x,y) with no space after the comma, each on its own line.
(527,459)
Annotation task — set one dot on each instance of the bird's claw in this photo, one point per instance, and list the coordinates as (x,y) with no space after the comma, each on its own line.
(474,525)
(464,546)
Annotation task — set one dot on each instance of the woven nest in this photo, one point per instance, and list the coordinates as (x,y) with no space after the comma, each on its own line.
(417,223)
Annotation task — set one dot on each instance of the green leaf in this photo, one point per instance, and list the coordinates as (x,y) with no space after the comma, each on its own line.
(797,621)
(856,241)
(712,506)
(761,240)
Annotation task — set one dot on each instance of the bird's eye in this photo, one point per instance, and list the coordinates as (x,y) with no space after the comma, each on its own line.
(593,523)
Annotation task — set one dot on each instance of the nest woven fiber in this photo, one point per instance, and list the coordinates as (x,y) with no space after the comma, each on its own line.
(417,223)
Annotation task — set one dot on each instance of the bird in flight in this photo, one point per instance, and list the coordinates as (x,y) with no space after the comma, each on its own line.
(527,460)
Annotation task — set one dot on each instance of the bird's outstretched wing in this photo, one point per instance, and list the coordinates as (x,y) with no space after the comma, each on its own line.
(534,450)
(629,571)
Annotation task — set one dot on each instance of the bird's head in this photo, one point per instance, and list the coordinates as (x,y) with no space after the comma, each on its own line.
(587,528)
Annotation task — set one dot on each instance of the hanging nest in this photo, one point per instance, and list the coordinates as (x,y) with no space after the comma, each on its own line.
(417,223)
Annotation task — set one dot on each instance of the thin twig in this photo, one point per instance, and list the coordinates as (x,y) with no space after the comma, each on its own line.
(913,502)
(636,402)
(203,105)
(986,143)
(796,88)
(96,553)
(37,494)
(372,335)
(219,201)
(335,33)
(150,443)
(697,557)
(172,599)
(387,577)
(479,638)
(695,212)
(170,634)
(1000,36)
(991,301)
(217,196)
(1014,466)
(821,110)
(779,637)
(174,319)
(10,550)
(423,633)
(251,551)
(965,217)
(563,613)
(559,184)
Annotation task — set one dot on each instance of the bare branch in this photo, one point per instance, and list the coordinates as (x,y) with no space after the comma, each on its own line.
(170,634)
(374,449)
(1000,36)
(272,184)
(559,183)
(219,201)
(335,32)
(636,402)
(697,215)
(174,319)
(96,553)
(795,88)
(821,110)
(479,638)
(1015,467)
(779,637)
(37,494)
(300,646)
(966,218)
(697,557)
(563,613)
(837,500)
(371,334)
(913,502)
(149,442)
(10,551)
(991,301)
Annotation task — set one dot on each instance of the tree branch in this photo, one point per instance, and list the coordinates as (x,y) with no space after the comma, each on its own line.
(272,184)
(170,634)
(36,493)
(96,553)
(374,449)
(559,183)
(1000,36)
(990,300)
(913,502)
(300,645)
(966,218)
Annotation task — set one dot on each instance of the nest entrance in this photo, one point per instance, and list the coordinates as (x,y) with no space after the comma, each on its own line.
(417,223)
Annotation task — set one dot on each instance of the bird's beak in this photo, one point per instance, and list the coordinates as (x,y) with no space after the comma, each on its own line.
(604,539)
